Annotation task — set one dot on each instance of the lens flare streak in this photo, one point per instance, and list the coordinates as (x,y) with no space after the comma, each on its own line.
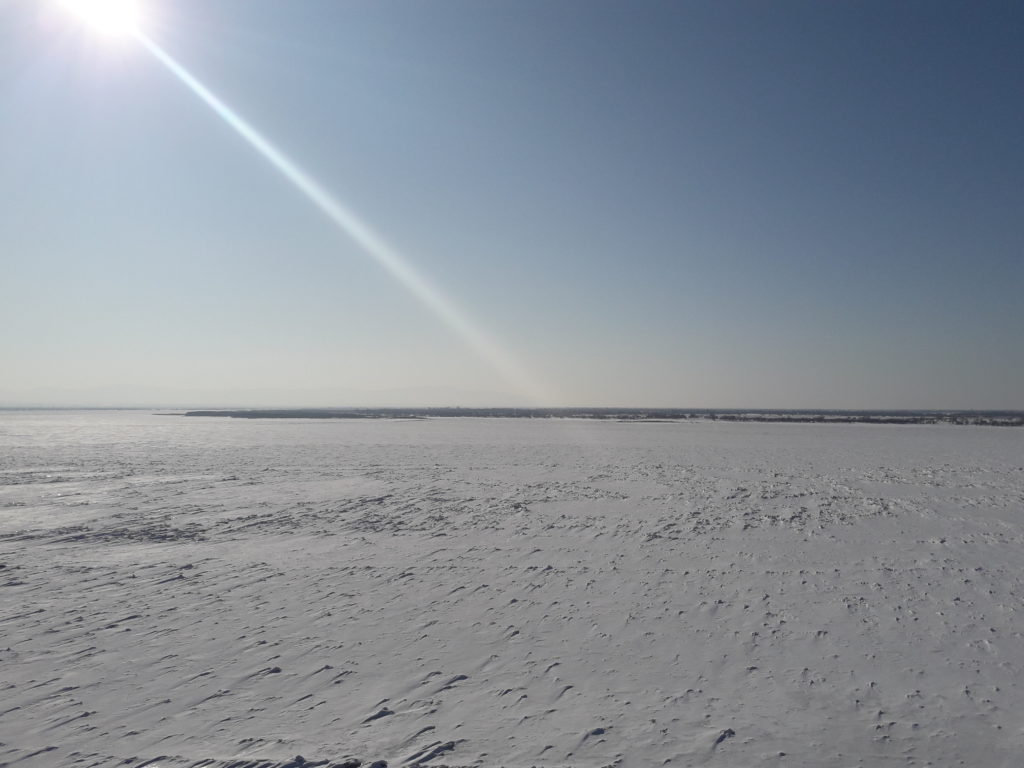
(362,235)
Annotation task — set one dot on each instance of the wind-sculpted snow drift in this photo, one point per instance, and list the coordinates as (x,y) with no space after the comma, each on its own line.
(477,592)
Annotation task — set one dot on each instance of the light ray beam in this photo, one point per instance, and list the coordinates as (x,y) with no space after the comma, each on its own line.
(368,240)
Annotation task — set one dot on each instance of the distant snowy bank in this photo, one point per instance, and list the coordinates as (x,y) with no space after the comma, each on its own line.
(975,418)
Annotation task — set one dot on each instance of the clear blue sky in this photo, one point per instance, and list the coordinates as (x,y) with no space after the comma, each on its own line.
(784,204)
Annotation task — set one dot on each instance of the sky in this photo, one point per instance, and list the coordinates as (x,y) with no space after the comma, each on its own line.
(579,202)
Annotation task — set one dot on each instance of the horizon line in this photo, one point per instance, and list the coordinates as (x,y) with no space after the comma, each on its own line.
(493,407)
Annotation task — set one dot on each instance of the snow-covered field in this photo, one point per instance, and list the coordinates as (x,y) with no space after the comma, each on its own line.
(209,592)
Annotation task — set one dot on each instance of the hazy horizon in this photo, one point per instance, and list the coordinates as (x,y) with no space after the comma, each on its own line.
(532,203)
(401,399)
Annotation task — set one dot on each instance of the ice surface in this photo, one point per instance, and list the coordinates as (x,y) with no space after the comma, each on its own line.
(206,592)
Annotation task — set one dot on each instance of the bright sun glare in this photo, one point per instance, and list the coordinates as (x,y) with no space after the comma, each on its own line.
(111,17)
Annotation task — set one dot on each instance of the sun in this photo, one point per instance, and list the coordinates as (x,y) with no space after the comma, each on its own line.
(111,17)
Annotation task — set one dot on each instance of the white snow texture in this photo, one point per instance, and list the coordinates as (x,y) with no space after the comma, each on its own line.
(508,592)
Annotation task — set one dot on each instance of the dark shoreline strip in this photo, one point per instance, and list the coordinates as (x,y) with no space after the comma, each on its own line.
(977,418)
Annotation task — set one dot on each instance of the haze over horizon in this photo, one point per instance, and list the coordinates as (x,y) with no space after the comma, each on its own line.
(651,204)
(412,398)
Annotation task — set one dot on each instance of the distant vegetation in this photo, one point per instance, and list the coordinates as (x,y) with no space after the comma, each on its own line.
(986,418)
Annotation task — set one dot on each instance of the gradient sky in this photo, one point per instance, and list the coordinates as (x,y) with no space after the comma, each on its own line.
(746,204)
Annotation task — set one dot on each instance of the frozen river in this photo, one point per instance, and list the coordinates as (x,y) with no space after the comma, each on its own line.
(508,592)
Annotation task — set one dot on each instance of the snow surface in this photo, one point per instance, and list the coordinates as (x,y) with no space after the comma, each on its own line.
(212,592)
